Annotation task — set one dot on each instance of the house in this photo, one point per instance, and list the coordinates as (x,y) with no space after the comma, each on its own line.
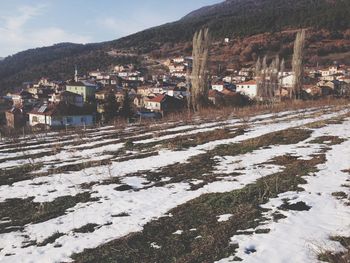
(107,79)
(119,96)
(228,79)
(101,95)
(179,74)
(334,84)
(178,92)
(139,101)
(328,77)
(287,81)
(148,115)
(15,118)
(239,79)
(248,88)
(246,72)
(83,88)
(144,90)
(179,60)
(95,73)
(164,104)
(218,86)
(22,99)
(215,97)
(324,72)
(312,90)
(68,97)
(60,115)
(221,86)
(282,92)
(344,79)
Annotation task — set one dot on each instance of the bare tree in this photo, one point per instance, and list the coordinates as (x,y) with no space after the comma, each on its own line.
(274,77)
(298,65)
(199,77)
(261,80)
(258,68)
(282,68)
(267,78)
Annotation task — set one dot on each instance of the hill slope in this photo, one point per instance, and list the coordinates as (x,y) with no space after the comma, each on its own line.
(231,18)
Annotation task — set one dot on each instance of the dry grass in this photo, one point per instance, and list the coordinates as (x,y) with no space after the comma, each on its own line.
(210,240)
(249,111)
(340,257)
(24,211)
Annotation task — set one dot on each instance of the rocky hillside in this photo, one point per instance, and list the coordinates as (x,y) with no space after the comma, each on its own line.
(328,21)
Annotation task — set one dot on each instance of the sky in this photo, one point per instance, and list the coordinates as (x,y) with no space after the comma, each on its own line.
(28,24)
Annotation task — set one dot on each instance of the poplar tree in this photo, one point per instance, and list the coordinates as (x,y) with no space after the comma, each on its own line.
(199,76)
(298,65)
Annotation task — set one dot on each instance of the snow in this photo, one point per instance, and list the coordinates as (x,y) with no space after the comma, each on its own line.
(154,245)
(144,204)
(178,232)
(308,231)
(224,218)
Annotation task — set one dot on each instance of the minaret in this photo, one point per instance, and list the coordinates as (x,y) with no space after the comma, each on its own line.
(76,74)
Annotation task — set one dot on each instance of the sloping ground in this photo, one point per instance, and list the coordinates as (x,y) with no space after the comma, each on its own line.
(274,188)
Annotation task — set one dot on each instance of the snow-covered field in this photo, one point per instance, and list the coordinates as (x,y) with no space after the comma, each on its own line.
(44,219)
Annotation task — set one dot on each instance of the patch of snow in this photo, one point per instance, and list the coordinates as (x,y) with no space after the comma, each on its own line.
(224,218)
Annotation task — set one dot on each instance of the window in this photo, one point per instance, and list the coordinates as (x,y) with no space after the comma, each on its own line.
(69,119)
(35,119)
(82,120)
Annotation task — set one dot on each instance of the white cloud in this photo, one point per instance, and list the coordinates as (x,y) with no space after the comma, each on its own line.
(15,35)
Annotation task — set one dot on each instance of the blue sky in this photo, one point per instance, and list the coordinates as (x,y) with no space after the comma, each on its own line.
(28,24)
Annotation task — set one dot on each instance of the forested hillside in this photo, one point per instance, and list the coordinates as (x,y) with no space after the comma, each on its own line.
(237,19)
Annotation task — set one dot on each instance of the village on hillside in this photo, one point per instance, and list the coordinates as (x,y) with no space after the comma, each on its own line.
(234,147)
(101,96)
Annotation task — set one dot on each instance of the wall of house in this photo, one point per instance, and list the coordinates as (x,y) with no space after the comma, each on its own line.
(287,81)
(35,119)
(10,119)
(248,90)
(155,106)
(72,120)
(56,121)
(219,88)
(87,92)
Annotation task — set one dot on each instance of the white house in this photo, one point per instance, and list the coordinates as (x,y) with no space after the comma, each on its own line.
(60,115)
(228,79)
(179,60)
(177,92)
(219,86)
(246,72)
(287,81)
(249,88)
